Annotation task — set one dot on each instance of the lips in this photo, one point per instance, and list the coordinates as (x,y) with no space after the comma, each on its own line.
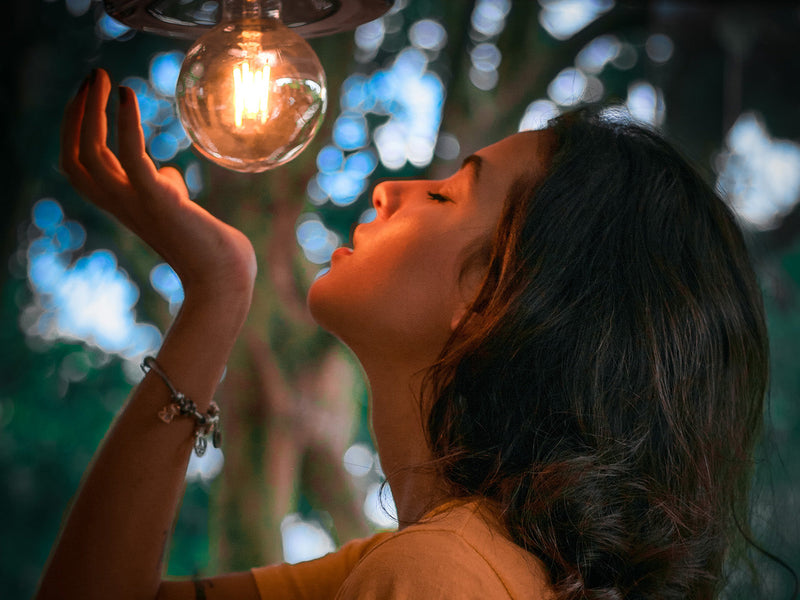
(341,251)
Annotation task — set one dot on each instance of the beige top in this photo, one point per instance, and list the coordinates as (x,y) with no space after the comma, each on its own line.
(458,551)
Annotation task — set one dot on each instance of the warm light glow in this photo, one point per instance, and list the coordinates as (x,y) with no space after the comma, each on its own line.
(250,93)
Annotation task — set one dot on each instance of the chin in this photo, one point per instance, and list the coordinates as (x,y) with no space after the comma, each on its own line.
(315,301)
(338,312)
(325,305)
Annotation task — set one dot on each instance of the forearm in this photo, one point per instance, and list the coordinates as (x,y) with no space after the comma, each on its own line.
(113,540)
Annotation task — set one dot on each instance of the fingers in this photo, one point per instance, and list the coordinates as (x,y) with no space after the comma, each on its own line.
(129,186)
(85,157)
(133,157)
(86,160)
(95,155)
(70,138)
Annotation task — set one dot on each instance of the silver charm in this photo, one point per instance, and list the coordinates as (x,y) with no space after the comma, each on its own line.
(168,412)
(200,443)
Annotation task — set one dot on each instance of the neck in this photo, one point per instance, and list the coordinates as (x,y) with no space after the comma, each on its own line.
(400,438)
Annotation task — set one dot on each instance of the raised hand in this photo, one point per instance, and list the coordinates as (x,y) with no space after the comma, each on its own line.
(209,256)
(112,542)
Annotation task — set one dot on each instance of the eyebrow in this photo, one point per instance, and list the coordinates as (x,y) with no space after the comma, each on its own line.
(474,161)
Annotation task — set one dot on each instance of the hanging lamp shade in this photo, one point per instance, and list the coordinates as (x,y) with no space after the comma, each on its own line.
(189,19)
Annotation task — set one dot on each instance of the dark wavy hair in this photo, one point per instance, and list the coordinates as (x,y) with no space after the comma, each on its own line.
(606,388)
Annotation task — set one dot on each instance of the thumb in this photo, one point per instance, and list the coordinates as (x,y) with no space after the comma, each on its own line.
(174,177)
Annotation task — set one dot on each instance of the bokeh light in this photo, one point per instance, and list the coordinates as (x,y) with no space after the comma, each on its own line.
(485,59)
(564,18)
(194,178)
(205,468)
(646,103)
(108,28)
(488,17)
(568,87)
(164,70)
(411,99)
(164,134)
(368,215)
(91,300)
(598,53)
(166,282)
(626,58)
(427,34)
(304,539)
(358,460)
(379,506)
(487,22)
(659,47)
(369,36)
(163,146)
(759,175)
(78,8)
(330,159)
(537,115)
(317,241)
(361,164)
(350,131)
(342,187)
(315,194)
(447,146)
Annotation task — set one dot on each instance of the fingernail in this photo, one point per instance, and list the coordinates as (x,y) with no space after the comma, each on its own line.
(92,76)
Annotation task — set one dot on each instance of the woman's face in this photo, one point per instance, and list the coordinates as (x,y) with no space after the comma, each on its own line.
(398,291)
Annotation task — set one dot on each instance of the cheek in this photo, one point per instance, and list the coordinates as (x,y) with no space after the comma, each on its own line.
(418,285)
(401,299)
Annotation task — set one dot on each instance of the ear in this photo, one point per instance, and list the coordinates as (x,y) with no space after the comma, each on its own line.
(469,286)
(471,279)
(458,315)
(473,319)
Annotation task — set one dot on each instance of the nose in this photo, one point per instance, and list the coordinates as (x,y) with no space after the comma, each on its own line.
(386,198)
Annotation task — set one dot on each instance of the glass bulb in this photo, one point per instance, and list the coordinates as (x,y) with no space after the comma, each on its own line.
(251,93)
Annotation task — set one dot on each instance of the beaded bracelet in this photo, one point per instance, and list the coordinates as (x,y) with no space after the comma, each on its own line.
(205,424)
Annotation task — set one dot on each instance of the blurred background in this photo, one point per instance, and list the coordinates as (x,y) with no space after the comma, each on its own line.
(410,94)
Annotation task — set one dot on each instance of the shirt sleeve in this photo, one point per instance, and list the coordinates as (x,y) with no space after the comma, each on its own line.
(424,565)
(318,579)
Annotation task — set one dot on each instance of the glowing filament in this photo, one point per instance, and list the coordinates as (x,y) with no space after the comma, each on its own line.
(250,93)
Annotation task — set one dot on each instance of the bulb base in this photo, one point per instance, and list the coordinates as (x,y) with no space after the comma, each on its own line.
(190,19)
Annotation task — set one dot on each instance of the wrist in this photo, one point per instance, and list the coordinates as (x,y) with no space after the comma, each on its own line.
(229,293)
(220,311)
(225,277)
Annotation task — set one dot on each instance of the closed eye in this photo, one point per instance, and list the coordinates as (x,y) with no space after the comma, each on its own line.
(438,197)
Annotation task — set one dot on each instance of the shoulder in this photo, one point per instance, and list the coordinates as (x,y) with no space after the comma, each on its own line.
(423,562)
(459,551)
(314,579)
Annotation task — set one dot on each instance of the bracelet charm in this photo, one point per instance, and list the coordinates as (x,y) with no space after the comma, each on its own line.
(205,424)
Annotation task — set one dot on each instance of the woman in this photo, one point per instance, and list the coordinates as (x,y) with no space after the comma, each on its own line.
(566,352)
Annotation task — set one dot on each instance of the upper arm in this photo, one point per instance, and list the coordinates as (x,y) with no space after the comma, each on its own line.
(314,579)
(231,586)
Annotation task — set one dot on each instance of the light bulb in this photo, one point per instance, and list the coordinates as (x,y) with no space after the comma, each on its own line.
(251,93)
